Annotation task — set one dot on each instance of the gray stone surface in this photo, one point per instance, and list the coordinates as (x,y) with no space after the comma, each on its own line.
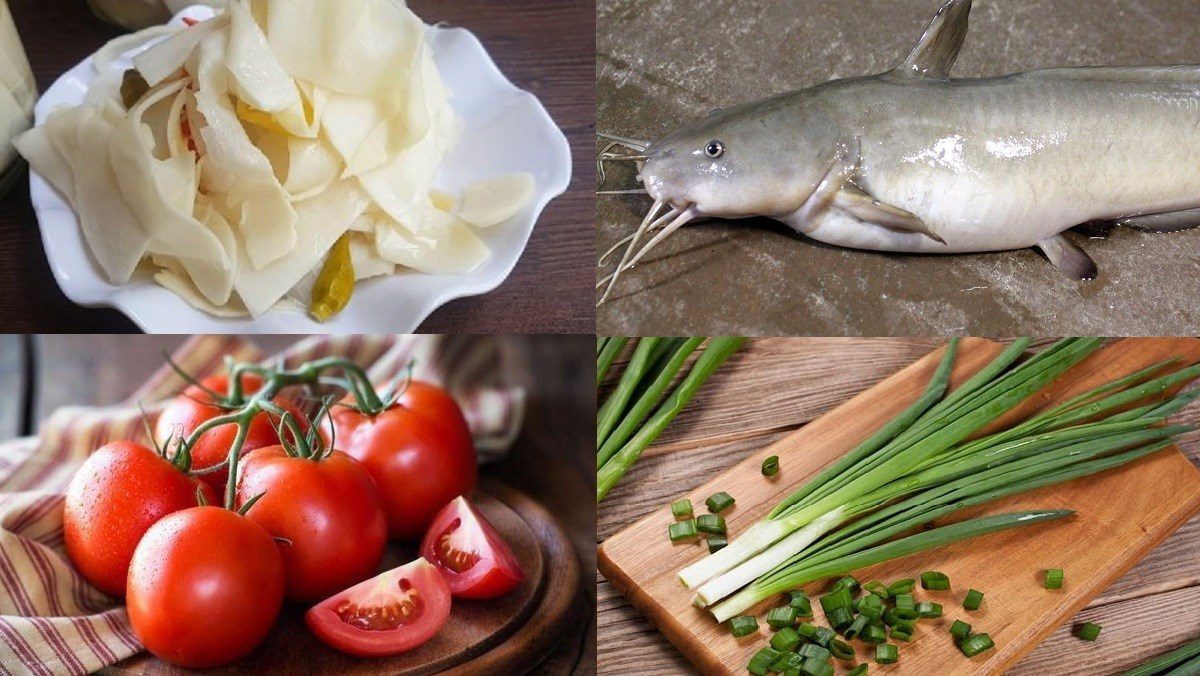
(662,62)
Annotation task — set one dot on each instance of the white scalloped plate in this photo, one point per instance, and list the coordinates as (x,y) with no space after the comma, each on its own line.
(505,130)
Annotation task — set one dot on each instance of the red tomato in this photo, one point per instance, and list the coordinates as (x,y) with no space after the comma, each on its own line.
(114,498)
(470,553)
(205,587)
(329,511)
(419,451)
(194,406)
(389,614)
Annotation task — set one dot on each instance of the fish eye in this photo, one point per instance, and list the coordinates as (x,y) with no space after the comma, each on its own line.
(714,149)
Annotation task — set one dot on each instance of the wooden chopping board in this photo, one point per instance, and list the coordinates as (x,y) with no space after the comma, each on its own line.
(510,634)
(1122,514)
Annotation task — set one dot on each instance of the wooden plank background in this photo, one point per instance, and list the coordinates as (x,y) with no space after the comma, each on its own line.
(40,373)
(544,46)
(775,386)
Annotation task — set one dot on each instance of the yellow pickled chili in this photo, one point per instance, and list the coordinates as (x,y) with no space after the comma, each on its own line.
(335,285)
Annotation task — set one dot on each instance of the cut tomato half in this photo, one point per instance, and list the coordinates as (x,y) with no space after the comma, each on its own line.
(470,553)
(391,613)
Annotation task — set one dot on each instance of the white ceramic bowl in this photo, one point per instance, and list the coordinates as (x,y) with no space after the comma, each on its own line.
(505,130)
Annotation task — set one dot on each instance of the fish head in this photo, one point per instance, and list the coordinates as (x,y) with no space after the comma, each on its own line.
(760,159)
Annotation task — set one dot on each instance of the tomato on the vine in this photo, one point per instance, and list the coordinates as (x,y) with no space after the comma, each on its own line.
(419,451)
(205,587)
(389,614)
(118,493)
(326,508)
(194,406)
(475,560)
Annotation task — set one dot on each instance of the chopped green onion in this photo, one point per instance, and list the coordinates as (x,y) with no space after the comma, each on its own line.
(682,530)
(801,603)
(1054,578)
(973,600)
(784,616)
(871,606)
(716,543)
(719,502)
(849,583)
(807,631)
(975,643)
(960,630)
(770,466)
(902,634)
(856,627)
(710,523)
(905,602)
(743,625)
(858,671)
(841,649)
(785,639)
(813,650)
(823,636)
(815,667)
(760,663)
(929,609)
(840,618)
(874,633)
(935,581)
(838,598)
(787,661)
(1088,631)
(682,509)
(902,587)
(1183,655)
(879,589)
(886,653)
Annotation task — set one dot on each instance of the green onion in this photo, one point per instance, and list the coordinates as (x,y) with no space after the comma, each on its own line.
(743,625)
(760,663)
(873,633)
(787,661)
(960,630)
(1088,631)
(871,606)
(886,653)
(935,581)
(785,639)
(799,601)
(813,650)
(973,599)
(608,354)
(716,542)
(904,633)
(719,502)
(613,462)
(841,649)
(850,583)
(901,587)
(682,530)
(975,643)
(814,667)
(682,509)
(710,523)
(840,618)
(838,598)
(1168,661)
(823,635)
(1054,578)
(929,609)
(905,602)
(784,616)
(857,671)
(614,407)
(770,466)
(856,627)
(807,631)
(878,588)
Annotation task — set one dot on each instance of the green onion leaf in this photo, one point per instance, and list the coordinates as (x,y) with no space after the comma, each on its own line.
(710,523)
(886,653)
(1088,631)
(787,661)
(823,636)
(973,599)
(716,543)
(682,509)
(1054,578)
(871,606)
(935,581)
(879,589)
(785,639)
(813,650)
(874,633)
(841,649)
(799,601)
(902,587)
(760,663)
(784,616)
(682,530)
(840,618)
(975,644)
(858,671)
(856,627)
(960,630)
(928,609)
(743,625)
(770,466)
(849,583)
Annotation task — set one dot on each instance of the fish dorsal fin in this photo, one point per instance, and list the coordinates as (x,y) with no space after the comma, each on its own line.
(934,55)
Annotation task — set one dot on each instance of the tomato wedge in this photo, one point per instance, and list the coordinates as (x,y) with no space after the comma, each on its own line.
(391,613)
(475,560)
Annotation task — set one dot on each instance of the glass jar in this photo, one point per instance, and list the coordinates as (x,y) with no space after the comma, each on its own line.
(18,93)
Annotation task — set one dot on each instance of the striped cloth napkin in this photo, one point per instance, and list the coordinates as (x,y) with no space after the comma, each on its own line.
(51,621)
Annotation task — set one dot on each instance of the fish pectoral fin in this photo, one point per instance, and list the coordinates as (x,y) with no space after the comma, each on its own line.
(934,55)
(1173,221)
(866,208)
(1068,257)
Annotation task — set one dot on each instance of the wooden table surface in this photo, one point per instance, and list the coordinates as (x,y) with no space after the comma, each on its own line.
(776,386)
(41,373)
(544,46)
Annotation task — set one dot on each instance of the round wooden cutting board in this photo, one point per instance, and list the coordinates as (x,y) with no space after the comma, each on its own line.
(506,635)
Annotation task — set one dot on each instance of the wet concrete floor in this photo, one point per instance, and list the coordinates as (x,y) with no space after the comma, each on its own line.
(663,62)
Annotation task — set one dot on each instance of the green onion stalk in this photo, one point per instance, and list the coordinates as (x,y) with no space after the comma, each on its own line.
(925,464)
